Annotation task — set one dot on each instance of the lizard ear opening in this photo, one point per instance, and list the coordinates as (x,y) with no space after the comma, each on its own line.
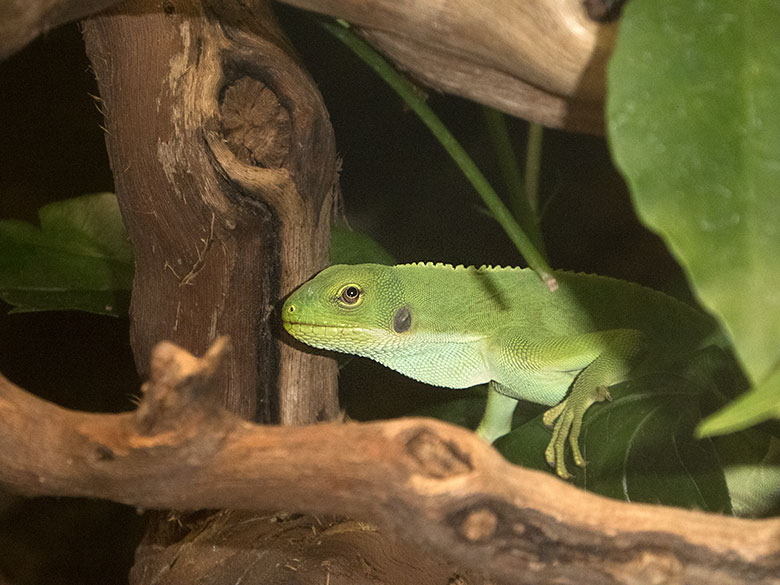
(402,320)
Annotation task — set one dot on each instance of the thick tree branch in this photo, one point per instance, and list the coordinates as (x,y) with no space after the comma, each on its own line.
(543,60)
(225,168)
(423,480)
(22,21)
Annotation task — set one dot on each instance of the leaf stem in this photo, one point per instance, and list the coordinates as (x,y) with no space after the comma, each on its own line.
(523,201)
(408,93)
(533,165)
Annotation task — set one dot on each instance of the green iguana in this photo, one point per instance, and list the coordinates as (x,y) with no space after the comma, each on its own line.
(461,326)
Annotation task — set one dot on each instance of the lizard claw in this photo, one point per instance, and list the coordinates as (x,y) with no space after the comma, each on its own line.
(565,418)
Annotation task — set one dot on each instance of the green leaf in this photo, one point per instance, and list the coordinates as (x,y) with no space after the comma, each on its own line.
(348,247)
(761,403)
(751,462)
(79,258)
(694,124)
(639,446)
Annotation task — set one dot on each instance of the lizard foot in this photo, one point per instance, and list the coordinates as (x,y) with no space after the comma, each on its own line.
(565,418)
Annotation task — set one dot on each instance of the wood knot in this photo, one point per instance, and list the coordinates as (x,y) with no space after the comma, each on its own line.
(479,525)
(104,453)
(603,10)
(652,568)
(256,127)
(437,458)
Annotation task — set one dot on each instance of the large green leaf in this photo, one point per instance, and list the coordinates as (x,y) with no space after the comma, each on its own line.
(694,124)
(751,462)
(79,258)
(757,405)
(639,447)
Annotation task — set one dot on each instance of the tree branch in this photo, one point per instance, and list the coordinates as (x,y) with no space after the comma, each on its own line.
(22,21)
(422,480)
(225,168)
(543,60)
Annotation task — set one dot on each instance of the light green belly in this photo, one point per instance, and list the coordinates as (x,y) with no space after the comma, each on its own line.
(465,364)
(541,387)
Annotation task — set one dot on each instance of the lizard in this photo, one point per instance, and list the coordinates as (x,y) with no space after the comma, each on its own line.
(457,327)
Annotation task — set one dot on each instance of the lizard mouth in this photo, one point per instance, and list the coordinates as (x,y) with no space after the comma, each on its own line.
(343,338)
(290,323)
(303,326)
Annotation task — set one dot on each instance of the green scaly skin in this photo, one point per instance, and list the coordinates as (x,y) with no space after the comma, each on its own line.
(457,327)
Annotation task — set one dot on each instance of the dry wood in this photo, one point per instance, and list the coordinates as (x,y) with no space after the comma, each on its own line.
(543,60)
(288,548)
(225,169)
(22,21)
(424,481)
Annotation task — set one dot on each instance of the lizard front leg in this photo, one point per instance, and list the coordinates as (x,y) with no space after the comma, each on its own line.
(565,419)
(572,371)
(619,351)
(497,420)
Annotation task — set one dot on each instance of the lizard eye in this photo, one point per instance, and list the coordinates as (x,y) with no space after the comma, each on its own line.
(350,294)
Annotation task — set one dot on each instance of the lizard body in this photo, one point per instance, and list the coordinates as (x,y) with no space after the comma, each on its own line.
(457,327)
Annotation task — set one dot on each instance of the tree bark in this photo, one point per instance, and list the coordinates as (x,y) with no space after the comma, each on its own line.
(425,482)
(225,168)
(22,21)
(542,60)
(290,549)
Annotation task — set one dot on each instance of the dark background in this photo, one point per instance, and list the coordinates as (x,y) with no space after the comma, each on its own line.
(398,185)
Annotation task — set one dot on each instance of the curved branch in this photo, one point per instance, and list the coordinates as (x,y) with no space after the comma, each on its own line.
(23,22)
(543,60)
(423,480)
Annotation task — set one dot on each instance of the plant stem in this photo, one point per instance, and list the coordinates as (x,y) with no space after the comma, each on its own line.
(408,93)
(522,202)
(533,165)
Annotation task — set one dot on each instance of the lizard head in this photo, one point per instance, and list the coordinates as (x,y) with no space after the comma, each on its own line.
(356,309)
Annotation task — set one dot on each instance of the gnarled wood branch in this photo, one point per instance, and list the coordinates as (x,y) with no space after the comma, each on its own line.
(225,168)
(422,480)
(543,60)
(22,21)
